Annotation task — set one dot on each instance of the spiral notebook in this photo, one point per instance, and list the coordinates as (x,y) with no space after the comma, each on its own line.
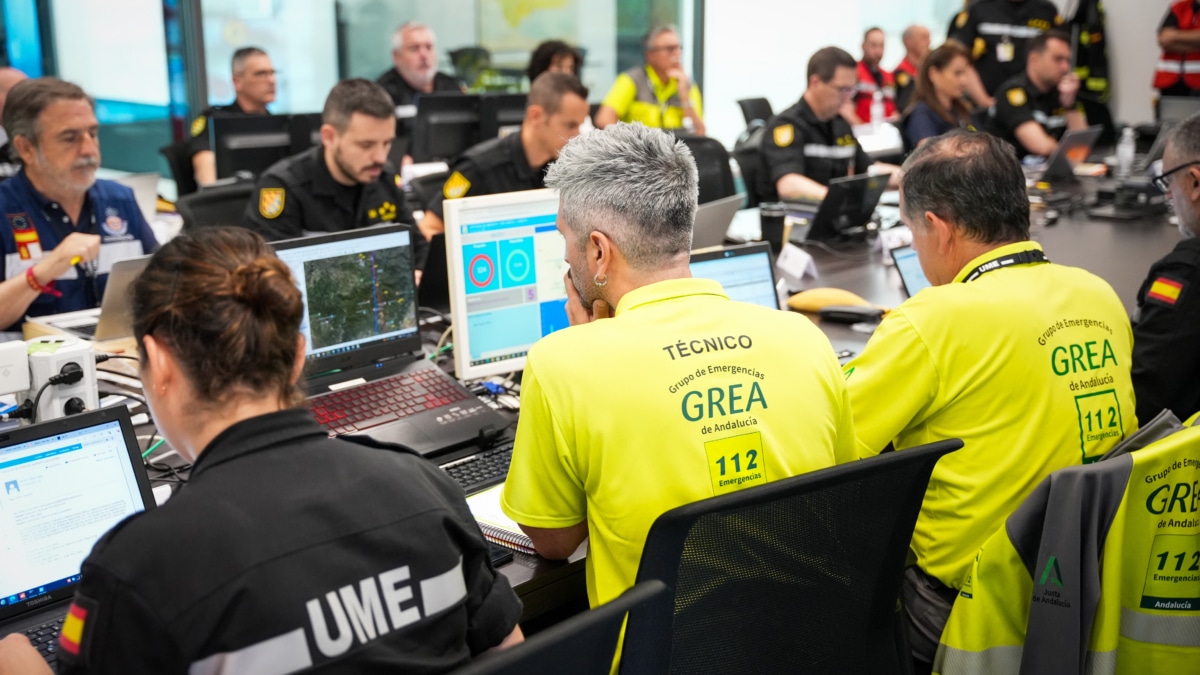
(496,525)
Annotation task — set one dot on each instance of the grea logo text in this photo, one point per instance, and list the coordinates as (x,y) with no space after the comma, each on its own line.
(1078,358)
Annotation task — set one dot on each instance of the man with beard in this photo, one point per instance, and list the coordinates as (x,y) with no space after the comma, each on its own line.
(342,184)
(62,229)
(414,72)
(1166,363)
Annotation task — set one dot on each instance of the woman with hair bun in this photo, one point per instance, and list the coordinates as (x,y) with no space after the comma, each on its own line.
(287,549)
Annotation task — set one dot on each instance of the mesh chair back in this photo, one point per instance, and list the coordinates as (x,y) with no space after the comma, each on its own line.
(755,109)
(585,644)
(712,163)
(426,187)
(215,205)
(799,575)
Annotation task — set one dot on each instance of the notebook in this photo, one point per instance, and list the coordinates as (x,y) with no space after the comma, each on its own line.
(63,484)
(909,267)
(365,370)
(496,526)
(114,319)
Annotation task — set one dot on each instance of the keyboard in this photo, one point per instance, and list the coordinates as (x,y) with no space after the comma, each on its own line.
(88,329)
(483,469)
(385,400)
(45,639)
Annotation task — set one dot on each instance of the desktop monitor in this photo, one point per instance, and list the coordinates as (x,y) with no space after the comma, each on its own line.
(359,294)
(305,131)
(747,272)
(445,126)
(505,259)
(500,114)
(249,143)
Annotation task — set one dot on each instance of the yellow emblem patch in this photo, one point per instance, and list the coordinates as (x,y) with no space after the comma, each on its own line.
(960,20)
(979,49)
(199,125)
(270,202)
(1016,97)
(456,186)
(1058,19)
(399,183)
(386,212)
(902,79)
(783,135)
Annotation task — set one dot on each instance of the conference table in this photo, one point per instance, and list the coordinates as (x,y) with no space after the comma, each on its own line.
(1120,252)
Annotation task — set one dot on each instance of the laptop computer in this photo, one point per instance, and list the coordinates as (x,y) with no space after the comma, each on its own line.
(912,277)
(747,273)
(63,484)
(713,219)
(845,210)
(366,372)
(1073,148)
(114,319)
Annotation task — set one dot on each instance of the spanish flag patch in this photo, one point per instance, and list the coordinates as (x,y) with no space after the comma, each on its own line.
(1165,291)
(71,637)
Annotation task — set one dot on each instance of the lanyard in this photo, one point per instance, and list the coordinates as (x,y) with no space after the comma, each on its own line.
(1030,257)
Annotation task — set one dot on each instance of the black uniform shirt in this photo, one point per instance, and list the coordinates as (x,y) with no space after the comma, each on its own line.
(1018,101)
(797,142)
(1166,337)
(404,95)
(987,24)
(287,549)
(492,167)
(199,129)
(298,195)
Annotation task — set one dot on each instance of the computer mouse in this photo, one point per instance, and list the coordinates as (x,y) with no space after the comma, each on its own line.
(815,299)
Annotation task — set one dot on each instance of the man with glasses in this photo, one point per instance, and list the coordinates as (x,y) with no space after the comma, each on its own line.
(659,93)
(810,143)
(254,85)
(1166,363)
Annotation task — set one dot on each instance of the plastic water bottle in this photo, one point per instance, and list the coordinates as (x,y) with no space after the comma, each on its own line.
(1125,151)
(876,111)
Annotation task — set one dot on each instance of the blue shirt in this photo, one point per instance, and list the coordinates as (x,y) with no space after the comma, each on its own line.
(924,123)
(33,225)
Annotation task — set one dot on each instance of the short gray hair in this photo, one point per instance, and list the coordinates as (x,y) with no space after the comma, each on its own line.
(653,33)
(398,35)
(237,64)
(1184,139)
(28,99)
(637,185)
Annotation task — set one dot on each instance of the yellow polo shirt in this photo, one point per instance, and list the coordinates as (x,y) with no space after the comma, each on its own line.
(682,395)
(1029,365)
(655,105)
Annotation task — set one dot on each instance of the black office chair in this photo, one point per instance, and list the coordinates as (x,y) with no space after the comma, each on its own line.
(712,162)
(179,160)
(585,644)
(800,575)
(215,205)
(746,153)
(755,109)
(425,187)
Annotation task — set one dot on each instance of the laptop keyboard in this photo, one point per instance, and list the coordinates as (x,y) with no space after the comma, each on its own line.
(385,400)
(88,329)
(45,639)
(483,469)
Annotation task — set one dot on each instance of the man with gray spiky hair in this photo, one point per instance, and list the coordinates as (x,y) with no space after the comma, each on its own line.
(681,394)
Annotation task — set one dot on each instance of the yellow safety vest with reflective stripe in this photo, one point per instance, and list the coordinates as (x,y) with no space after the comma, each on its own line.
(1097,572)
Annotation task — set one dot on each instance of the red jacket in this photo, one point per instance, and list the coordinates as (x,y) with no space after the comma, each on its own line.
(864,92)
(1172,65)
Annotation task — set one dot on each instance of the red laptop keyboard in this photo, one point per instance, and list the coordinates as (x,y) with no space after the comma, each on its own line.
(382,401)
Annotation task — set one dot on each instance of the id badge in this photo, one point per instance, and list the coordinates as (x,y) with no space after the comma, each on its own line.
(1005,52)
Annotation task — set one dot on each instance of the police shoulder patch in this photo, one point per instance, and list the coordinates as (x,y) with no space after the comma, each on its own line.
(75,636)
(1165,291)
(902,78)
(979,49)
(199,125)
(783,135)
(961,19)
(1058,19)
(399,182)
(1016,97)
(456,186)
(270,202)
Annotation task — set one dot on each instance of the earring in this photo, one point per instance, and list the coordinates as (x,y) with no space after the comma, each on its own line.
(596,279)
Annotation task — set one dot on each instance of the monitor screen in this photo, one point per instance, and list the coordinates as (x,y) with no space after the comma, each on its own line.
(358,289)
(249,143)
(909,267)
(446,125)
(506,265)
(59,493)
(745,272)
(500,114)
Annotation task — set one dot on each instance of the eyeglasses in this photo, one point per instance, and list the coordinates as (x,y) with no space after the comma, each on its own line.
(1162,181)
(668,48)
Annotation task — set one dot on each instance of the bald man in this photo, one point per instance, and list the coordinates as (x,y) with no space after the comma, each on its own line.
(9,77)
(916,46)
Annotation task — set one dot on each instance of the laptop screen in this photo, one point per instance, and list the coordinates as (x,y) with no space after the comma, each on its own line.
(358,288)
(909,267)
(745,272)
(60,491)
